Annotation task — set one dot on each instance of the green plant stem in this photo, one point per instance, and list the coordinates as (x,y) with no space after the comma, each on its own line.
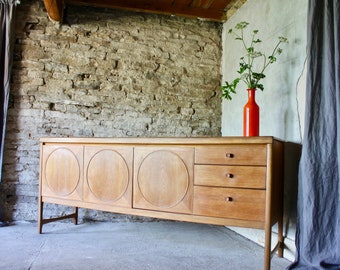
(267,63)
(247,70)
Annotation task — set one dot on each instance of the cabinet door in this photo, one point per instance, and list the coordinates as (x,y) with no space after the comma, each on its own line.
(163,179)
(61,169)
(108,177)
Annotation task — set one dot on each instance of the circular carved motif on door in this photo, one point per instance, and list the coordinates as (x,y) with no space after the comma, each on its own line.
(62,181)
(163,179)
(107,175)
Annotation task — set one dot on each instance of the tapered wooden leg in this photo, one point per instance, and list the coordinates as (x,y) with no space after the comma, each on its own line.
(42,221)
(267,247)
(40,215)
(75,218)
(280,238)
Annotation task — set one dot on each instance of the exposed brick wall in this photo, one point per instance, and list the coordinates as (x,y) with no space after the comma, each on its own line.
(104,73)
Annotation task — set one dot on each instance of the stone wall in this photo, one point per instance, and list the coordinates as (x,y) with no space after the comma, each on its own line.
(104,73)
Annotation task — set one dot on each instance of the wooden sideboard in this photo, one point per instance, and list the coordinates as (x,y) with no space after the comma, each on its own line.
(234,181)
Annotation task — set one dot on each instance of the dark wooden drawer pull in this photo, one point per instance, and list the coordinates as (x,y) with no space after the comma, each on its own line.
(229,175)
(229,155)
(228,199)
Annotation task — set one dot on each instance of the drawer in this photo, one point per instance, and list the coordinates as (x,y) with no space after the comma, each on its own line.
(230,203)
(232,154)
(230,176)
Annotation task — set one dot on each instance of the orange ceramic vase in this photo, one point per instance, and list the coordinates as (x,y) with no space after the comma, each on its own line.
(251,116)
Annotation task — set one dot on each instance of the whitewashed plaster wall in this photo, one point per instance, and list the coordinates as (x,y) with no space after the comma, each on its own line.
(282,101)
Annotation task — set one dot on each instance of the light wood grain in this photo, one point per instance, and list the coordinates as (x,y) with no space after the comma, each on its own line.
(62,171)
(234,203)
(163,179)
(231,176)
(231,154)
(108,175)
(134,141)
(235,181)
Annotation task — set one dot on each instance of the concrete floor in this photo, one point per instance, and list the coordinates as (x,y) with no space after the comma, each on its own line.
(130,245)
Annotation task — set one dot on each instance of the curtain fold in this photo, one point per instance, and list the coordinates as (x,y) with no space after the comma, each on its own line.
(318,228)
(7,10)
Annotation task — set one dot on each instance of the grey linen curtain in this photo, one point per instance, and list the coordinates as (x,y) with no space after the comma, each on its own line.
(318,232)
(7,8)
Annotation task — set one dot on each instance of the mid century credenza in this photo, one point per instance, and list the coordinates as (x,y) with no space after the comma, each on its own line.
(234,181)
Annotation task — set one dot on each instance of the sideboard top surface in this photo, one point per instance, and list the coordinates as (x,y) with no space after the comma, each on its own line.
(161,140)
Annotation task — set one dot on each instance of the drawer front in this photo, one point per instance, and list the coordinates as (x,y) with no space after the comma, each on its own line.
(230,176)
(232,154)
(230,203)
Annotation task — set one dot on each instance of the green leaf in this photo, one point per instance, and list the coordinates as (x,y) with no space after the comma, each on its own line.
(260,86)
(272,59)
(283,39)
(229,88)
(258,76)
(241,25)
(253,62)
(243,68)
(235,82)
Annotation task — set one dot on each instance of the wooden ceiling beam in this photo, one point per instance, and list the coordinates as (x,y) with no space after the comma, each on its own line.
(55,9)
(200,9)
(202,3)
(213,10)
